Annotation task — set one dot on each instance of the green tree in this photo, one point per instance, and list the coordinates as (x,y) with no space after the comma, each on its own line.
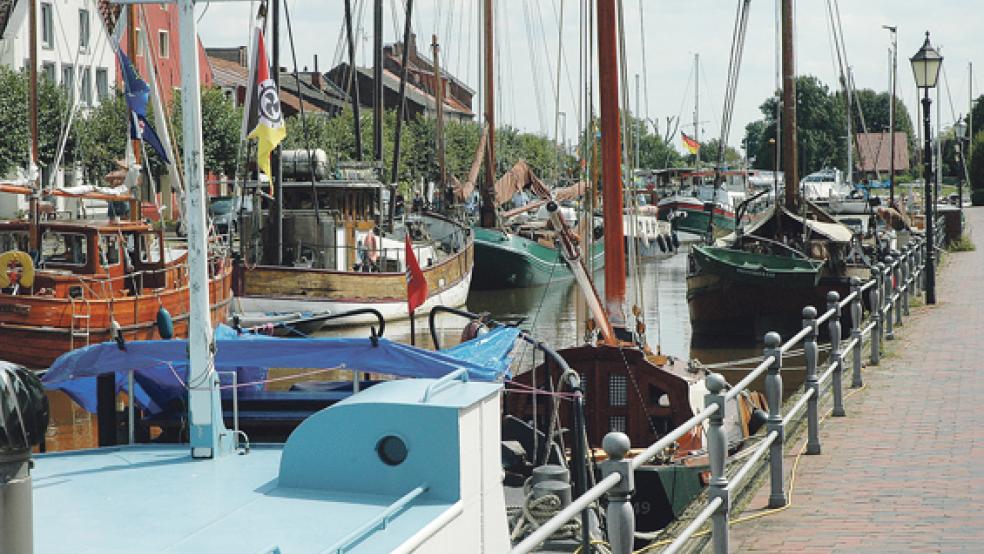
(977,169)
(221,130)
(821,128)
(709,152)
(102,137)
(14,120)
(754,132)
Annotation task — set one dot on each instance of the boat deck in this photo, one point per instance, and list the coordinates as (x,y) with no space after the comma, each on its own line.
(158,499)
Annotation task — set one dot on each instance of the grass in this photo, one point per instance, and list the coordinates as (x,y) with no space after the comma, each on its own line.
(963,244)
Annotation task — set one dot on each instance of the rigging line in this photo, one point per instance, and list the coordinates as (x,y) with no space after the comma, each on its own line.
(546,53)
(645,77)
(304,125)
(707,81)
(535,74)
(560,51)
(458,43)
(563,57)
(629,162)
(509,70)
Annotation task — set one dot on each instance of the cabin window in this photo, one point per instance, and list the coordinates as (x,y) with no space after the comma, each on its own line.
(657,396)
(149,250)
(13,240)
(65,248)
(109,250)
(618,423)
(617,390)
(47,25)
(84,30)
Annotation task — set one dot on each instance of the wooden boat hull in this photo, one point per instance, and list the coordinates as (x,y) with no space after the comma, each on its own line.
(35,330)
(763,270)
(693,217)
(286,289)
(504,260)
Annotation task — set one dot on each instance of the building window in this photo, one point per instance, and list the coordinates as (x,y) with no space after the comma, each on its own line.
(617,423)
(84,30)
(48,71)
(47,25)
(139,33)
(164,44)
(617,390)
(85,94)
(68,82)
(102,83)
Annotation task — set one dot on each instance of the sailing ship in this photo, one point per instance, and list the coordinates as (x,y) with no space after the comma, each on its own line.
(66,283)
(334,245)
(756,279)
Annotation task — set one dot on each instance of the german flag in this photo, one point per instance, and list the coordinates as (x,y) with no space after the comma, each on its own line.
(265,122)
(690,144)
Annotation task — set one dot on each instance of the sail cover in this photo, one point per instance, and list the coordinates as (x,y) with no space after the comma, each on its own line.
(161,366)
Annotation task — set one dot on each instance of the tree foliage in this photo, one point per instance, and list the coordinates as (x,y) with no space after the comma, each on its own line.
(14,120)
(977,162)
(221,130)
(102,137)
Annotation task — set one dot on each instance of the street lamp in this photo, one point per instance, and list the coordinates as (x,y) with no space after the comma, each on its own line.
(926,70)
(960,130)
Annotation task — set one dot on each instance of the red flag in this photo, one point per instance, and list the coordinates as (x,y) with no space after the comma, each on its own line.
(416,284)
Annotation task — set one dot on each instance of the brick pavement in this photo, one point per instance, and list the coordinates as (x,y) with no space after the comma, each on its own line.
(904,471)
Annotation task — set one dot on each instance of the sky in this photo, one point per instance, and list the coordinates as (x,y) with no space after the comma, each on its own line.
(528,39)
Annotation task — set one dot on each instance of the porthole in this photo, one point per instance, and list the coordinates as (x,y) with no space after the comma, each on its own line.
(391,450)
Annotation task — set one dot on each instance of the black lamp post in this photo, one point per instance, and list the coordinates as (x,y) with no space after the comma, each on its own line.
(926,70)
(960,130)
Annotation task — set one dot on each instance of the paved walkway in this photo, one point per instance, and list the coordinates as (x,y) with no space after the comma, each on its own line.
(904,472)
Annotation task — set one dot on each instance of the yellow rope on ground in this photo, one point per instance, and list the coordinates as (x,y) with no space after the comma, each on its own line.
(792,485)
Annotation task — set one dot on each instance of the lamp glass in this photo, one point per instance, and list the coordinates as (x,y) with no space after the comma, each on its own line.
(926,65)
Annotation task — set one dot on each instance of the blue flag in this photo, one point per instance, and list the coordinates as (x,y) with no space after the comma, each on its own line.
(137,94)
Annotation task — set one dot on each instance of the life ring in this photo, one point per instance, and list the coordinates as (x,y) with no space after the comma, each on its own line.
(23,259)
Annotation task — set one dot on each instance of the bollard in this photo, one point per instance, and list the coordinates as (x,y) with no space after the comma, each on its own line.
(810,351)
(887,299)
(876,314)
(619,514)
(836,357)
(899,284)
(856,315)
(906,279)
(717,450)
(773,393)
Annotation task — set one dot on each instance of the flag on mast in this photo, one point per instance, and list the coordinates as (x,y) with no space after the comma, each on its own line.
(692,145)
(416,283)
(266,121)
(137,94)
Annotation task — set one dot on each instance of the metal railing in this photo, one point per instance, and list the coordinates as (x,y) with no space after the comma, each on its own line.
(894,282)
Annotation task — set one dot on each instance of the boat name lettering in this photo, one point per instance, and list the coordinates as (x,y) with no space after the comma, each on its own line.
(19,309)
(757,273)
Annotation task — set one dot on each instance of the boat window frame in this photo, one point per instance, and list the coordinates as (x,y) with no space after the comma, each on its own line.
(84,243)
(103,256)
(24,240)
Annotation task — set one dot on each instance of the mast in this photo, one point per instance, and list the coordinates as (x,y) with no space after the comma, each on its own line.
(401,108)
(377,82)
(611,160)
(278,197)
(208,435)
(487,212)
(891,122)
(970,112)
(354,80)
(850,129)
(33,170)
(439,104)
(789,135)
(697,111)
(131,48)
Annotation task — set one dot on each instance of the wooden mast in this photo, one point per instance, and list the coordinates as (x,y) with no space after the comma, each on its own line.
(377,82)
(488,207)
(34,239)
(439,105)
(611,163)
(353,80)
(789,135)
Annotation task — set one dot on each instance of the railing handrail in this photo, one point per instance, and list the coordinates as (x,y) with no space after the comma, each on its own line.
(897,279)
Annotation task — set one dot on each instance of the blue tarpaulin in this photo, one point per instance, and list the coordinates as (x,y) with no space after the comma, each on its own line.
(161,366)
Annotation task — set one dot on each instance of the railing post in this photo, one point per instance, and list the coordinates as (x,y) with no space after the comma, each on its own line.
(835,357)
(899,284)
(619,514)
(856,315)
(917,258)
(717,449)
(812,409)
(888,301)
(773,394)
(906,276)
(876,314)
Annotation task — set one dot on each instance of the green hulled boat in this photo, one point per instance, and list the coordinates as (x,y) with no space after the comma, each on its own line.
(741,266)
(508,260)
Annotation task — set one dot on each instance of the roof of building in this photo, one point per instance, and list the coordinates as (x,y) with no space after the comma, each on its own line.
(874,152)
(414,93)
(227,73)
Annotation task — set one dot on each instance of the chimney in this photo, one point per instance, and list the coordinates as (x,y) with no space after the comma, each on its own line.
(316,76)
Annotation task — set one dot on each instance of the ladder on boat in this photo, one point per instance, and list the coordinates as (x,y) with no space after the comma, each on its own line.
(80,323)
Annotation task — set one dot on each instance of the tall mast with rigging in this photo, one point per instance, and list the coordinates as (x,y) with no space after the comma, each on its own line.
(789,135)
(611,163)
(487,211)
(32,109)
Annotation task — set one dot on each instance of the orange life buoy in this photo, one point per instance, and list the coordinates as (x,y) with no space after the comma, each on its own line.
(23,259)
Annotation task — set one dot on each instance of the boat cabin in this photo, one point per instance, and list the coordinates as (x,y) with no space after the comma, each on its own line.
(90,259)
